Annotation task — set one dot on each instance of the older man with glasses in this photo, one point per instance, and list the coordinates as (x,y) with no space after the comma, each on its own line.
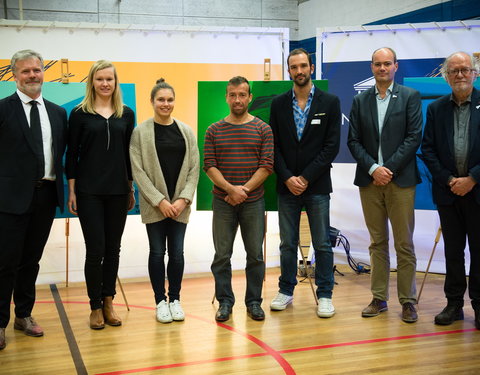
(451,150)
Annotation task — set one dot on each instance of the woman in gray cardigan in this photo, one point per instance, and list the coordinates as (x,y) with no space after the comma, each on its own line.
(165,167)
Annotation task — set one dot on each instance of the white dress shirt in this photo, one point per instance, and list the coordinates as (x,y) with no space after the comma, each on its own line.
(46,131)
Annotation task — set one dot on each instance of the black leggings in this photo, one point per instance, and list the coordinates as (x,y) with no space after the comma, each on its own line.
(102,218)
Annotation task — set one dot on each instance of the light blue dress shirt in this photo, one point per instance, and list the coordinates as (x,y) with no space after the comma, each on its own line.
(382,106)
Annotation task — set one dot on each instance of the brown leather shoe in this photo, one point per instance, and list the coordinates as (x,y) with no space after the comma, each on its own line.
(3,343)
(111,317)
(375,308)
(29,326)
(409,313)
(96,319)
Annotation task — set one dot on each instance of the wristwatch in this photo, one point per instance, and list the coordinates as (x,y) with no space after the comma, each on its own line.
(187,201)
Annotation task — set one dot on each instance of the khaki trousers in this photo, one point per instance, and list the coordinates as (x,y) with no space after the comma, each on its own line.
(381,204)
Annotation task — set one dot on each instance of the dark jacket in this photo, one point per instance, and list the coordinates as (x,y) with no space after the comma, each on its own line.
(400,138)
(312,156)
(438,148)
(18,162)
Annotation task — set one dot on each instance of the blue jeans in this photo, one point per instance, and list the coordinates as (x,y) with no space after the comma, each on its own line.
(158,235)
(226,219)
(289,210)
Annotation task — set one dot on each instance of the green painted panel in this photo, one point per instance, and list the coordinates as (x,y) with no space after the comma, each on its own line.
(213,107)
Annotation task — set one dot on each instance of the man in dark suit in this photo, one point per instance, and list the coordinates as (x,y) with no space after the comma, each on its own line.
(306,126)
(451,150)
(32,142)
(384,135)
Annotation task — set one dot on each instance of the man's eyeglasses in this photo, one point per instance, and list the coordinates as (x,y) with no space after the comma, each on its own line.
(464,71)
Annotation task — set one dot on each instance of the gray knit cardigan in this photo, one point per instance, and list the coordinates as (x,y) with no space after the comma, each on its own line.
(148,175)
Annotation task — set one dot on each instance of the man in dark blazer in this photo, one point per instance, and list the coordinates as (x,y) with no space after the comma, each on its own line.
(32,143)
(384,135)
(451,150)
(306,126)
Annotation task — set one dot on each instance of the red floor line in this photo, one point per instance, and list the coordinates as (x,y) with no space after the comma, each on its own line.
(86,303)
(372,341)
(318,347)
(185,364)
(269,351)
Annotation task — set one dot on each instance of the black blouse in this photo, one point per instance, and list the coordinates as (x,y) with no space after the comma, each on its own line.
(97,154)
(171,149)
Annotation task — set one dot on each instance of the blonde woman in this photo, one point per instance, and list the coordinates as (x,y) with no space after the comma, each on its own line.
(165,164)
(100,183)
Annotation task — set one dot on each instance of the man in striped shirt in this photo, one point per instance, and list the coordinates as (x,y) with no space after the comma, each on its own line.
(238,157)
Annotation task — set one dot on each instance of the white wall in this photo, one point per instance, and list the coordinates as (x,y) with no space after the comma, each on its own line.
(314,14)
(90,42)
(418,41)
(345,214)
(134,252)
(345,207)
(234,13)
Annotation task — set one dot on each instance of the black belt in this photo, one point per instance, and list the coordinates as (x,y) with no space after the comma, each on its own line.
(41,183)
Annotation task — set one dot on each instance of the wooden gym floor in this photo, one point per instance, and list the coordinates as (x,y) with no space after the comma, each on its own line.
(294,341)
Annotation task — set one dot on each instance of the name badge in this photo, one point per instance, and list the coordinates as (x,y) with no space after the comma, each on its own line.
(316,121)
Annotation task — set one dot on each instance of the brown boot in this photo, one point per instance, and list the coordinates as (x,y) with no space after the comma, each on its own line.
(111,317)
(96,319)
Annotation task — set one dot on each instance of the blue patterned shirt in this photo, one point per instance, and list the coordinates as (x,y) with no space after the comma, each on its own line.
(300,116)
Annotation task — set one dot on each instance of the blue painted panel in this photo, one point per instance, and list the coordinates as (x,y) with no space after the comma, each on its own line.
(68,96)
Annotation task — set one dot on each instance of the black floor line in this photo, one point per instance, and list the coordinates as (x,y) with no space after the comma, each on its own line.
(72,343)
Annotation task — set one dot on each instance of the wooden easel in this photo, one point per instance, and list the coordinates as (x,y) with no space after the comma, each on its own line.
(437,239)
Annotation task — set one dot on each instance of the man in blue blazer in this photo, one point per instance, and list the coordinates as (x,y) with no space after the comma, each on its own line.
(384,135)
(32,143)
(306,126)
(451,150)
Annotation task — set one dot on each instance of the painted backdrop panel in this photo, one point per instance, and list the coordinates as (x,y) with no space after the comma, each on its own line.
(213,107)
(68,96)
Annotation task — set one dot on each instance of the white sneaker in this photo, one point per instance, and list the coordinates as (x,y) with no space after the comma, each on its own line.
(280,302)
(325,308)
(176,310)
(163,313)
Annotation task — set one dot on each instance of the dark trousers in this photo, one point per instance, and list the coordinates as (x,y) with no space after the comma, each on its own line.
(226,220)
(159,234)
(22,240)
(102,218)
(460,221)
